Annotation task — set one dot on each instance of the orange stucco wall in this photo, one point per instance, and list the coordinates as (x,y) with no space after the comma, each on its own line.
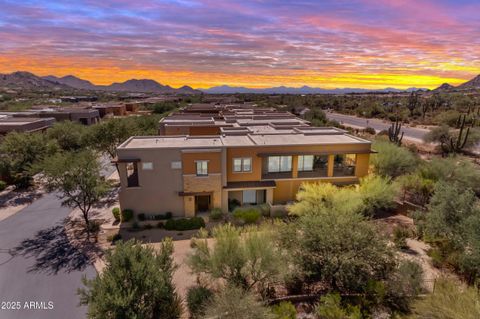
(213,158)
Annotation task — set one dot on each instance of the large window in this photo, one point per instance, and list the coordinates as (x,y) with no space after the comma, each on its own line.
(242,164)
(344,165)
(202,168)
(278,164)
(249,196)
(305,163)
(132,174)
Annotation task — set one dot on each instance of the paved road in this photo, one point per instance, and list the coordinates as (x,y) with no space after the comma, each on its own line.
(378,125)
(37,263)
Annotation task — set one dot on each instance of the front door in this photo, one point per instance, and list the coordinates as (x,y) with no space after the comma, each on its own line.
(202,203)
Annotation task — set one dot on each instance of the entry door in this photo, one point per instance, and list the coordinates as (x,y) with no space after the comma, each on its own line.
(203,203)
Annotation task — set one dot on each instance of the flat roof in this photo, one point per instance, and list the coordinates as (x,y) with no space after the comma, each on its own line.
(252,139)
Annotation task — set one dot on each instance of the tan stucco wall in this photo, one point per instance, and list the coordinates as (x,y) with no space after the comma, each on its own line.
(204,184)
(158,188)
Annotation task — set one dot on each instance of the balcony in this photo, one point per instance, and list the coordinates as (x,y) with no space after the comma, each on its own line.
(346,170)
(315,173)
(277,175)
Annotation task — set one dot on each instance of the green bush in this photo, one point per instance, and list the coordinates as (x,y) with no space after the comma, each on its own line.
(284,310)
(330,307)
(265,209)
(127,215)
(232,204)
(115,237)
(116,213)
(141,217)
(370,130)
(3,185)
(400,235)
(216,214)
(248,215)
(392,160)
(185,223)
(197,299)
(160,225)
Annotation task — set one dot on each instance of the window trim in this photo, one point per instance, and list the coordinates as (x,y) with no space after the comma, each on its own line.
(242,164)
(196,167)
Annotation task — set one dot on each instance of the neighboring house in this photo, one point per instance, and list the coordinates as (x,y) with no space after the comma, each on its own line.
(109,109)
(252,161)
(24,124)
(85,116)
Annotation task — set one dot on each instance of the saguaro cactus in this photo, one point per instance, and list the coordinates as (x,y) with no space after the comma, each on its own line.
(458,143)
(394,132)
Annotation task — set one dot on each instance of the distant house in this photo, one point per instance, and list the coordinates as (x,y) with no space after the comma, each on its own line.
(24,124)
(85,116)
(106,109)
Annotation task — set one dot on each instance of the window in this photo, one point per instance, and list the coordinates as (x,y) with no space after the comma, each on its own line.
(147,166)
(242,164)
(305,163)
(279,164)
(132,174)
(176,165)
(249,196)
(202,168)
(344,165)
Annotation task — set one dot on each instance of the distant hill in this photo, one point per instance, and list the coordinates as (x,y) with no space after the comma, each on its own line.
(72,81)
(28,81)
(133,85)
(473,84)
(225,89)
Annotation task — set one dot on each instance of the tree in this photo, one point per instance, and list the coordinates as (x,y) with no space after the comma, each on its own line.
(136,283)
(235,303)
(448,301)
(392,160)
(246,258)
(19,154)
(77,178)
(106,136)
(340,250)
(69,136)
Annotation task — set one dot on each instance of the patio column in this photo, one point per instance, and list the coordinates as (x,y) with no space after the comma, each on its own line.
(294,166)
(331,159)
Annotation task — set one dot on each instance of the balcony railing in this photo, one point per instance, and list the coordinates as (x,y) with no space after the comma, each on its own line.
(278,175)
(347,170)
(317,172)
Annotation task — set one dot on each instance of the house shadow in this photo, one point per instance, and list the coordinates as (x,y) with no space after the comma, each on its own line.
(52,251)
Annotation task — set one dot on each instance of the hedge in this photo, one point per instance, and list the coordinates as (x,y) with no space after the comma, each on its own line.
(185,223)
(249,215)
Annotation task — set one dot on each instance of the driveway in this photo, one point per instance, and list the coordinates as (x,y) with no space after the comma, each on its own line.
(38,264)
(378,125)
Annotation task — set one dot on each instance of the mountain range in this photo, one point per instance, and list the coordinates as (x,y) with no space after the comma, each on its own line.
(225,89)
(470,85)
(29,81)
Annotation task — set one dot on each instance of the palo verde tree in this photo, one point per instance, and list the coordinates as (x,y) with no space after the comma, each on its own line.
(136,283)
(21,152)
(77,179)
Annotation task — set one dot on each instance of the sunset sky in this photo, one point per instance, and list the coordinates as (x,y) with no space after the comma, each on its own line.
(262,43)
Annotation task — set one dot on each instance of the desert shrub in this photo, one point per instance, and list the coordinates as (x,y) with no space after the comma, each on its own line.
(3,185)
(247,215)
(330,307)
(232,204)
(342,251)
(127,215)
(116,213)
(320,197)
(185,223)
(284,310)
(197,299)
(141,217)
(245,257)
(378,194)
(400,235)
(370,130)
(403,286)
(216,214)
(392,160)
(237,303)
(449,300)
(145,275)
(115,237)
(436,257)
(264,209)
(167,215)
